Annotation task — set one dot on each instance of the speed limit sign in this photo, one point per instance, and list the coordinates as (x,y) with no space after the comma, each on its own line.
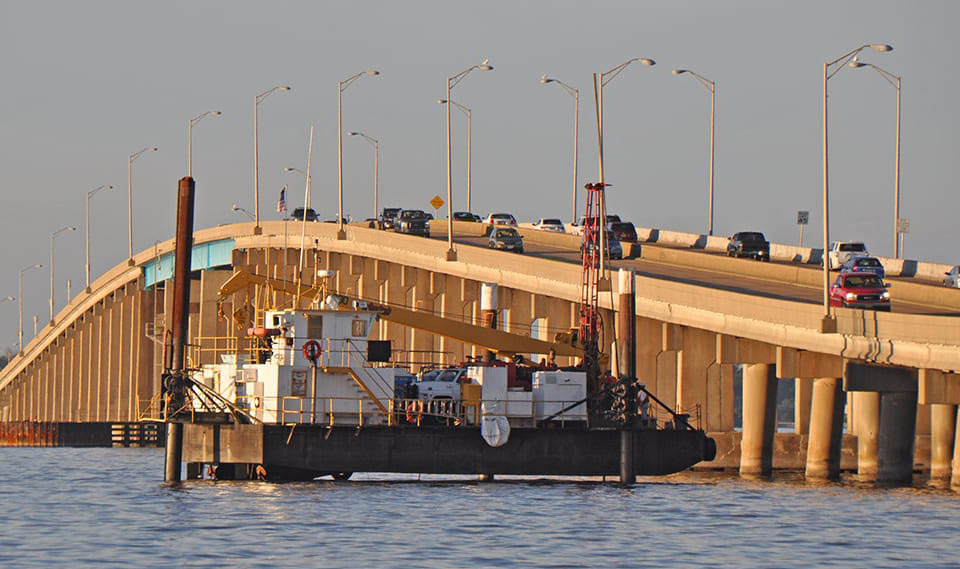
(311,350)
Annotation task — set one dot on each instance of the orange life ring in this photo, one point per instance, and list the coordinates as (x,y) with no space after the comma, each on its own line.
(414,412)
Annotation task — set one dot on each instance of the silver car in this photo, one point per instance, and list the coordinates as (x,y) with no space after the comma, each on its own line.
(550,224)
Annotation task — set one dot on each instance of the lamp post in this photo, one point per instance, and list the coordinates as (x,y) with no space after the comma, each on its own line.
(130,160)
(712,87)
(895,81)
(451,83)
(466,110)
(243,210)
(256,153)
(341,87)
(598,84)
(843,60)
(53,237)
(87,228)
(376,169)
(20,296)
(575,93)
(190,124)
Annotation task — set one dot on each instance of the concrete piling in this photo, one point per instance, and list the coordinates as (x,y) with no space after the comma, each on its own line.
(943,418)
(826,429)
(759,419)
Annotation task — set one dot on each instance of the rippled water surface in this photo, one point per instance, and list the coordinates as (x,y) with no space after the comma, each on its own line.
(107,508)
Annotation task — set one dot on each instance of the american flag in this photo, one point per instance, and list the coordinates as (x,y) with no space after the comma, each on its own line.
(282,203)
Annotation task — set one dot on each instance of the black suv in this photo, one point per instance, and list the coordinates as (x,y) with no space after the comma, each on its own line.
(413,222)
(388,217)
(749,244)
(298,214)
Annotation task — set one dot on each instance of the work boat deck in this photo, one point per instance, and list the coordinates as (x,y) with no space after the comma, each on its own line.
(314,396)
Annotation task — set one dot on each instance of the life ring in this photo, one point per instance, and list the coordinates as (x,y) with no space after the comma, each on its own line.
(414,412)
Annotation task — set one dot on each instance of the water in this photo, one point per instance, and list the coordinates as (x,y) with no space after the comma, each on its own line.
(107,508)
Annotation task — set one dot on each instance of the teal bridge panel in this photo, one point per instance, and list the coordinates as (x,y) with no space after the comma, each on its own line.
(203,256)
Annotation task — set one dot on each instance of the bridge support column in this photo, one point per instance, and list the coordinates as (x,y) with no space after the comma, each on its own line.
(867,406)
(896,425)
(943,420)
(826,428)
(759,419)
(803,394)
(955,475)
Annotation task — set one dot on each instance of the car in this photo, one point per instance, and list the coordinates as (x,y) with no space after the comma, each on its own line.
(429,216)
(612,218)
(843,251)
(412,222)
(500,219)
(550,224)
(466,216)
(864,265)
(952,277)
(388,217)
(577,227)
(749,244)
(624,231)
(298,214)
(614,249)
(506,239)
(860,290)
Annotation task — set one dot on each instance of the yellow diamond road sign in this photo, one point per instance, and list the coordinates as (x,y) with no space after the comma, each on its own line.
(437,202)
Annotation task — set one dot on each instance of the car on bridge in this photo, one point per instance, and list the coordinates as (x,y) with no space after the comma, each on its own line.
(864,265)
(412,222)
(505,239)
(500,219)
(625,231)
(466,216)
(614,249)
(388,217)
(553,224)
(842,251)
(749,244)
(298,214)
(952,277)
(860,290)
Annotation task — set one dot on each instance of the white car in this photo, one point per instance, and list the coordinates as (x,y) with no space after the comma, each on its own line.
(577,228)
(952,277)
(842,251)
(550,224)
(500,219)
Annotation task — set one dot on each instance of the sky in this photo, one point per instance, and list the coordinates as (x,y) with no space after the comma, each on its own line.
(86,84)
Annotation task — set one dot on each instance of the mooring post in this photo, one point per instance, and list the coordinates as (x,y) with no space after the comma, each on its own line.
(181,319)
(626,370)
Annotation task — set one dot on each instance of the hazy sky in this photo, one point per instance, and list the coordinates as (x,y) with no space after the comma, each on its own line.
(85,84)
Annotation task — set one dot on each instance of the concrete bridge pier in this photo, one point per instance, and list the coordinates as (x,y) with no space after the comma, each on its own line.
(820,403)
(943,418)
(759,419)
(897,417)
(867,406)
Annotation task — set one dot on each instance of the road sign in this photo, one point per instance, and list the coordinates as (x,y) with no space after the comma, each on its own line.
(803,217)
(903,225)
(437,202)
(311,350)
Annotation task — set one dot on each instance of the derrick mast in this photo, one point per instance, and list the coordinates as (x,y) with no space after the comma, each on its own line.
(591,325)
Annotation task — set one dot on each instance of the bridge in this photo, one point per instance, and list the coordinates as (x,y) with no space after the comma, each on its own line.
(700,317)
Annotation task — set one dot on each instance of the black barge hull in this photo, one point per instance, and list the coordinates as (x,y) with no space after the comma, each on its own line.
(440,450)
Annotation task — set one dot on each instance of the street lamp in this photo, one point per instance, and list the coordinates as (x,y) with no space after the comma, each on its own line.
(130,160)
(575,93)
(341,87)
(376,169)
(451,83)
(256,153)
(843,60)
(53,236)
(466,110)
(87,228)
(598,84)
(20,296)
(712,87)
(895,81)
(244,210)
(190,124)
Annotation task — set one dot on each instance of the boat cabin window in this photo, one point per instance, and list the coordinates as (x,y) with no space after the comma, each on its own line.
(359,328)
(314,327)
